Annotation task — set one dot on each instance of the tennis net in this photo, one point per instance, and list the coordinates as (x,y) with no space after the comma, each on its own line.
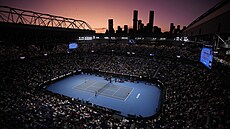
(99,90)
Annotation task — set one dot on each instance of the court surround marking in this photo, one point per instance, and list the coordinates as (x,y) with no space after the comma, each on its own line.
(129,94)
(138,95)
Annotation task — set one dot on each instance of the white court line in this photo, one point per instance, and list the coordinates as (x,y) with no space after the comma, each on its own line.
(96,86)
(90,97)
(108,89)
(73,87)
(115,98)
(129,94)
(116,91)
(86,87)
(92,85)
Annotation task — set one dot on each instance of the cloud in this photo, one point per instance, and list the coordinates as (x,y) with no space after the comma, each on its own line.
(100,30)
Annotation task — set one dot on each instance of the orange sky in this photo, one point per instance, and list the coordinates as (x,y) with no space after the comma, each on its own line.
(97,12)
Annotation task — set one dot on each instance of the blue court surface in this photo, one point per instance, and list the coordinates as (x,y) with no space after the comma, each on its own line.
(127,97)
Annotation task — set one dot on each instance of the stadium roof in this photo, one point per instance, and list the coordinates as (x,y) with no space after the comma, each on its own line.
(220,8)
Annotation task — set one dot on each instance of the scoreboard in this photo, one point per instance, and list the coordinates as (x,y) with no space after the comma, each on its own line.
(206,57)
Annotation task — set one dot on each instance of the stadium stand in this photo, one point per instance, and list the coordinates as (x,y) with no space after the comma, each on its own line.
(195,97)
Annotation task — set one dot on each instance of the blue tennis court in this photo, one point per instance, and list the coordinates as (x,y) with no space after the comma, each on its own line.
(127,97)
(105,88)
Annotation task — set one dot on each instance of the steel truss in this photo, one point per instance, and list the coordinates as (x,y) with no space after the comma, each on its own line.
(13,15)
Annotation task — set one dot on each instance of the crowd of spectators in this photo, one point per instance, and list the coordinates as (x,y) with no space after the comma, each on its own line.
(187,51)
(9,51)
(195,97)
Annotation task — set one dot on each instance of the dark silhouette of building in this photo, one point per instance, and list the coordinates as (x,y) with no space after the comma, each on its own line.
(140,25)
(184,27)
(156,30)
(126,29)
(110,24)
(119,29)
(151,18)
(177,30)
(172,28)
(131,30)
(178,27)
(135,19)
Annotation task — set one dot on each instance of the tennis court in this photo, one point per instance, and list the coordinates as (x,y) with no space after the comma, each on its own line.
(128,98)
(105,88)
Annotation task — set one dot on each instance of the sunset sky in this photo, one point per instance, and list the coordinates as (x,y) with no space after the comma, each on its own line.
(97,12)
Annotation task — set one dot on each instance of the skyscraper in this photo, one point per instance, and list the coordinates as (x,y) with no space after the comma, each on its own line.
(110,24)
(135,19)
(151,18)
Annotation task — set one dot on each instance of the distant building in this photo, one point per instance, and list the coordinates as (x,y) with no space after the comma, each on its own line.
(177,30)
(156,30)
(135,19)
(140,25)
(119,29)
(131,30)
(106,31)
(126,29)
(184,27)
(110,24)
(178,27)
(172,28)
(151,18)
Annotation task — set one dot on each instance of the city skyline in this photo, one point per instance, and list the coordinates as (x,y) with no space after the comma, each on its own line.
(97,13)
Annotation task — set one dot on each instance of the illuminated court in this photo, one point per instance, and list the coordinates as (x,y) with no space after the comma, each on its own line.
(131,98)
